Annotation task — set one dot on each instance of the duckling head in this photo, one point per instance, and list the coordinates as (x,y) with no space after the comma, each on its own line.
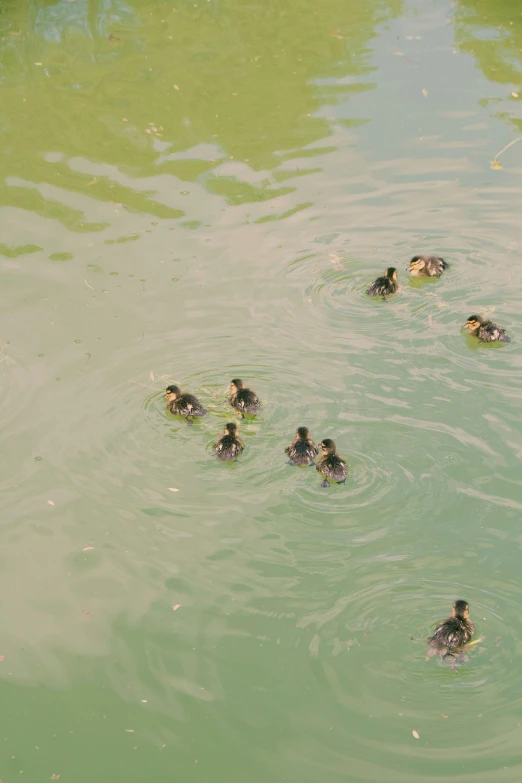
(236,385)
(302,432)
(391,274)
(230,429)
(461,610)
(328,446)
(417,263)
(172,393)
(473,322)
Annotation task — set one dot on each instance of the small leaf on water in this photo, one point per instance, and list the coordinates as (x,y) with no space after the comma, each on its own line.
(86,611)
(151,376)
(173,489)
(176,606)
(176,87)
(415,734)
(144,701)
(495,164)
(444,716)
(1,659)
(55,777)
(129,731)
(497,640)
(514,94)
(425,92)
(50,502)
(87,548)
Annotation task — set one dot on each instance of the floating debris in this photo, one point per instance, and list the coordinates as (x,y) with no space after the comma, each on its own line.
(494,163)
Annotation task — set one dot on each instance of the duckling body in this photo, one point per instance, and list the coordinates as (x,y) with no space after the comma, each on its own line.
(243,400)
(427,266)
(302,449)
(330,465)
(230,445)
(486,331)
(386,285)
(452,633)
(183,404)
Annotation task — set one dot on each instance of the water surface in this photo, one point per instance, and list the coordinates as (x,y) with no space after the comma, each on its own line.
(193,192)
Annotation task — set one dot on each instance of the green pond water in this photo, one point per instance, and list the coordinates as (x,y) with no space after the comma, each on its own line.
(196,191)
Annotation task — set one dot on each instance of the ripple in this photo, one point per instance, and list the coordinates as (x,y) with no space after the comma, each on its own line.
(380,612)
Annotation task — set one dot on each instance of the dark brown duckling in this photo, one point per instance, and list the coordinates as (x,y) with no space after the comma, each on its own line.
(486,331)
(427,266)
(243,400)
(330,465)
(183,404)
(386,285)
(230,445)
(452,633)
(302,449)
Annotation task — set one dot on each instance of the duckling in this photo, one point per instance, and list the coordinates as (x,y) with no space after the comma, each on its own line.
(243,400)
(386,285)
(486,331)
(452,633)
(330,465)
(427,266)
(183,404)
(230,445)
(302,449)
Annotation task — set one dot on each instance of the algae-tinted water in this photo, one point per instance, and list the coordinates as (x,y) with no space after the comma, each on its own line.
(193,192)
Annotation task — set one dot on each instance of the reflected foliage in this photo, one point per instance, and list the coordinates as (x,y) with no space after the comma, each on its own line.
(137,84)
(491,30)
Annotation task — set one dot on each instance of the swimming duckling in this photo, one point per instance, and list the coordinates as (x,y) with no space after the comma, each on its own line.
(330,464)
(183,404)
(486,331)
(452,633)
(427,266)
(386,285)
(243,400)
(230,445)
(302,449)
